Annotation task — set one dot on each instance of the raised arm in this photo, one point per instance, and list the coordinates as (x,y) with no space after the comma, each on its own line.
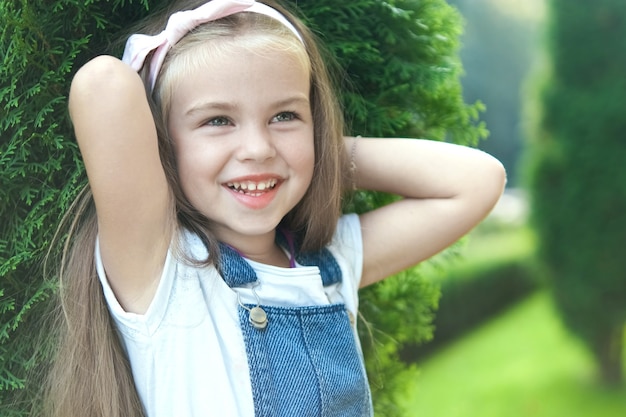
(117,139)
(447,190)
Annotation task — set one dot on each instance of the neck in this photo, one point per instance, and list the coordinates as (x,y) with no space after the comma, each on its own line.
(262,249)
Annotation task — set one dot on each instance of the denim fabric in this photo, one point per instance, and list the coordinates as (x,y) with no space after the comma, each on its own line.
(306,363)
(237,272)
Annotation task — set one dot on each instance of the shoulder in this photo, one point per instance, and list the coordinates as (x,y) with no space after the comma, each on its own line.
(188,246)
(180,295)
(347,246)
(348,232)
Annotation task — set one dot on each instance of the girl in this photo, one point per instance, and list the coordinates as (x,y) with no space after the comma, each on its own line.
(213,274)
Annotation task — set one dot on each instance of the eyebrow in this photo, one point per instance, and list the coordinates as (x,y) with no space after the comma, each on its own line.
(298,99)
(209,106)
(225,106)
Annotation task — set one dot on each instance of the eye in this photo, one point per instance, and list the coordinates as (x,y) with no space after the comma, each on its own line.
(218,121)
(285,116)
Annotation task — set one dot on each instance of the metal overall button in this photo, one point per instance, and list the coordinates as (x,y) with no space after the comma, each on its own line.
(257,316)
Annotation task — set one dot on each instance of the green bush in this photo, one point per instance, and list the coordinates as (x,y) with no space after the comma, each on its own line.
(578,181)
(469,297)
(401,61)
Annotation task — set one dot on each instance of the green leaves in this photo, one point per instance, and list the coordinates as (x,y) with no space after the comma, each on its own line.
(578,177)
(38,160)
(401,66)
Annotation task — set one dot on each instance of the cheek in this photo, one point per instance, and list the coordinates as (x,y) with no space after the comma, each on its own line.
(182,165)
(200,166)
(190,168)
(310,163)
(304,159)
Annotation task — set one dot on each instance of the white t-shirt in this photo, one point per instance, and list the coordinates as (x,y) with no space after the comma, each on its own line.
(187,351)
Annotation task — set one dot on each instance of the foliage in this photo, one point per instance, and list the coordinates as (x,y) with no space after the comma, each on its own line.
(41,43)
(496,270)
(499,48)
(400,56)
(467,303)
(578,182)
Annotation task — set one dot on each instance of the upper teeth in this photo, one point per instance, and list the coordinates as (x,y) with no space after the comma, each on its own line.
(253,186)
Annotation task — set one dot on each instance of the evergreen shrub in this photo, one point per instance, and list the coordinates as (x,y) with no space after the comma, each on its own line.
(577,176)
(471,297)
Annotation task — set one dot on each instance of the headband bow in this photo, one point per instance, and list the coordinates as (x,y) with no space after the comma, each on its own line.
(179,24)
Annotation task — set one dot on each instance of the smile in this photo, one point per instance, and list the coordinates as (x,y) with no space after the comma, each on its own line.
(251,187)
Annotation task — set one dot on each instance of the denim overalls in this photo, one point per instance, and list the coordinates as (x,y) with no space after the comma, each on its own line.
(305,361)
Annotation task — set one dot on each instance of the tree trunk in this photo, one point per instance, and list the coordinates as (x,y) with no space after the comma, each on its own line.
(609,350)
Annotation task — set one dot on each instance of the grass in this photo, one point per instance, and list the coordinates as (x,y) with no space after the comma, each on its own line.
(520,364)
(505,245)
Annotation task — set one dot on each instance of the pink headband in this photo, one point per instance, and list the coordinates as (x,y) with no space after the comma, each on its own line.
(179,24)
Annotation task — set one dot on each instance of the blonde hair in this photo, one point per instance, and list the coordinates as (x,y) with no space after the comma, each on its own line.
(91,375)
(314,218)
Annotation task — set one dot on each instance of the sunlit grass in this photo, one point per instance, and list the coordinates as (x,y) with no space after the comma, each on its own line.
(507,244)
(522,363)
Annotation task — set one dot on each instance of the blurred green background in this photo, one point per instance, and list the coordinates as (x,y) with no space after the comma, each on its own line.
(549,74)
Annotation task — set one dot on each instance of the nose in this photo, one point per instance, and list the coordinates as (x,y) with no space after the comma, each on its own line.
(256,144)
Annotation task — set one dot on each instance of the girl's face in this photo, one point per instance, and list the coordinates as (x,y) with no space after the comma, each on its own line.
(243,134)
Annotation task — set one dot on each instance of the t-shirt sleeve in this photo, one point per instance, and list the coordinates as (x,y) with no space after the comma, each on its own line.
(347,247)
(137,325)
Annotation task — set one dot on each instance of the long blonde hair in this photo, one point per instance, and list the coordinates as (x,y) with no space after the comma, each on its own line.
(314,218)
(91,375)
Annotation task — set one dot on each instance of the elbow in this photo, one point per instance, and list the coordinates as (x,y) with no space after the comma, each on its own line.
(101,80)
(492,184)
(500,176)
(497,173)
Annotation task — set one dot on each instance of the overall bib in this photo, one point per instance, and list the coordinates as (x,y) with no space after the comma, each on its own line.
(304,361)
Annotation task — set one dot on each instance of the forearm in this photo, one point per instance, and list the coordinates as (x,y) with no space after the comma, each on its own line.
(423,169)
(447,190)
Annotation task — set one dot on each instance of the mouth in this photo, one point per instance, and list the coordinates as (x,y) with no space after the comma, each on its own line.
(253,188)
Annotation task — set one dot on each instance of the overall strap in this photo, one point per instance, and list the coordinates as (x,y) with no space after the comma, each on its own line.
(236,272)
(303,361)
